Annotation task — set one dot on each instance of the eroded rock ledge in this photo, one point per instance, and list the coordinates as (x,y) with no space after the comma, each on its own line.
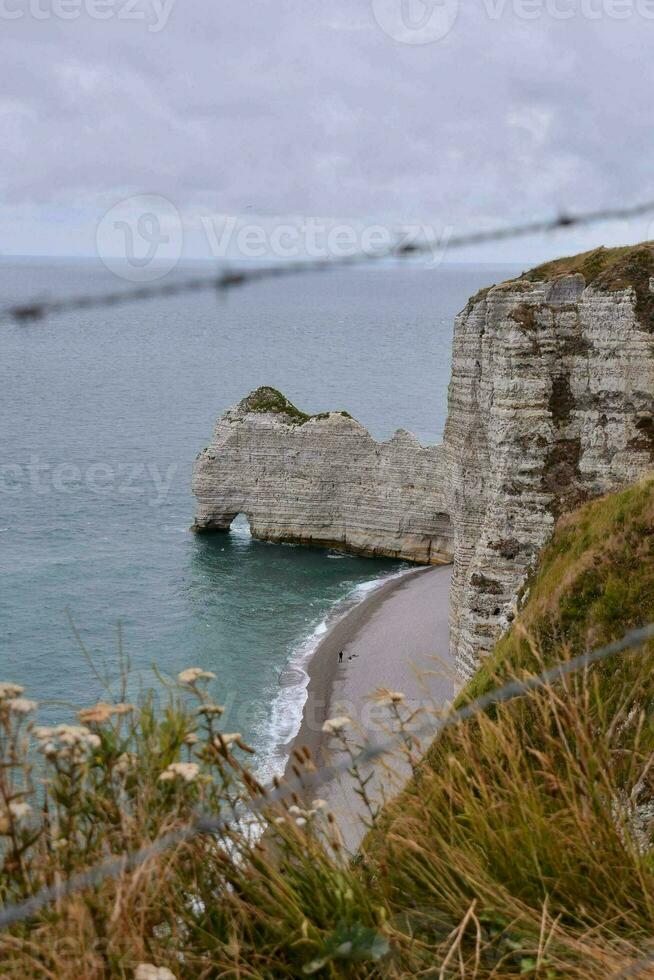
(322,480)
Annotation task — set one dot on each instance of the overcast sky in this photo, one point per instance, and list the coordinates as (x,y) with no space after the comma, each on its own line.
(279,110)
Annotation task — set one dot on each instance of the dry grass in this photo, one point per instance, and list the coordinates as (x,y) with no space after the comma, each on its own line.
(522,847)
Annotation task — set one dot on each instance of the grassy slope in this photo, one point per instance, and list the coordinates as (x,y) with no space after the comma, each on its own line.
(542,807)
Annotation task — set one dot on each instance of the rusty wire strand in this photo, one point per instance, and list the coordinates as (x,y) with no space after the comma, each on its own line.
(228,279)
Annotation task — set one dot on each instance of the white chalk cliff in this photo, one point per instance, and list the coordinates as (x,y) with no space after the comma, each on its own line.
(550,403)
(322,480)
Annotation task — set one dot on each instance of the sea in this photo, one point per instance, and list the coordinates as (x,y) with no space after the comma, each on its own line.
(102,412)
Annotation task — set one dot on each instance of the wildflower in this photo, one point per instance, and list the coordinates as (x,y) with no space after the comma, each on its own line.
(191,739)
(301,815)
(188,771)
(334,725)
(319,804)
(146,971)
(49,749)
(96,715)
(42,732)
(8,690)
(67,741)
(19,810)
(21,706)
(77,735)
(385,697)
(124,763)
(224,739)
(101,712)
(123,708)
(193,674)
(210,709)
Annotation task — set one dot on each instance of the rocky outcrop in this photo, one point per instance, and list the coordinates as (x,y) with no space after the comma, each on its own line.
(550,403)
(322,480)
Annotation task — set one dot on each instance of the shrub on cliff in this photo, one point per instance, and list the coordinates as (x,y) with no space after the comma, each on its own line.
(522,845)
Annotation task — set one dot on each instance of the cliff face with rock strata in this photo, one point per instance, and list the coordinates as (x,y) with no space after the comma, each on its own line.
(322,480)
(550,403)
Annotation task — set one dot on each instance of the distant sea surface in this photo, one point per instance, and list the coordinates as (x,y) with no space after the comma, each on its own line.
(102,414)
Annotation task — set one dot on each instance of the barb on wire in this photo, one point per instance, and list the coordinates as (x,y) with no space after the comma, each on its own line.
(229,279)
(209,824)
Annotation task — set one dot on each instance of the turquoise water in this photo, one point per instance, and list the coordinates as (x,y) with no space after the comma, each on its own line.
(102,415)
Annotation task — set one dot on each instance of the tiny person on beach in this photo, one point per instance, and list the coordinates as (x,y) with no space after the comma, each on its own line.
(340,657)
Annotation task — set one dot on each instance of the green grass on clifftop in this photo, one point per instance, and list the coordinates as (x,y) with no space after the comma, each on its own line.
(605,269)
(269,401)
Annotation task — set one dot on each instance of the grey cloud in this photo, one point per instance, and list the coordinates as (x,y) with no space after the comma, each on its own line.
(310,108)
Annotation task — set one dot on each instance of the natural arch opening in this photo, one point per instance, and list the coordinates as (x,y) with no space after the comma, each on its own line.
(240,526)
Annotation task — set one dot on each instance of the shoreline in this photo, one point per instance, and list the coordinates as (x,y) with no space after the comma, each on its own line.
(322,668)
(389,639)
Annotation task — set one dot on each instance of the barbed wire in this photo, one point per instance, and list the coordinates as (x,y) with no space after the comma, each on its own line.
(206,823)
(228,279)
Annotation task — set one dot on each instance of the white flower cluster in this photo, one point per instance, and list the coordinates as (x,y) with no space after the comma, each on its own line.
(18,810)
(72,742)
(8,690)
(385,697)
(223,740)
(334,725)
(188,771)
(193,674)
(21,706)
(303,817)
(124,763)
(102,712)
(146,971)
(210,709)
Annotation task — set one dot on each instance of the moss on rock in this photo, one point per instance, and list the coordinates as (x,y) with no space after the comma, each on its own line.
(269,401)
(609,270)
